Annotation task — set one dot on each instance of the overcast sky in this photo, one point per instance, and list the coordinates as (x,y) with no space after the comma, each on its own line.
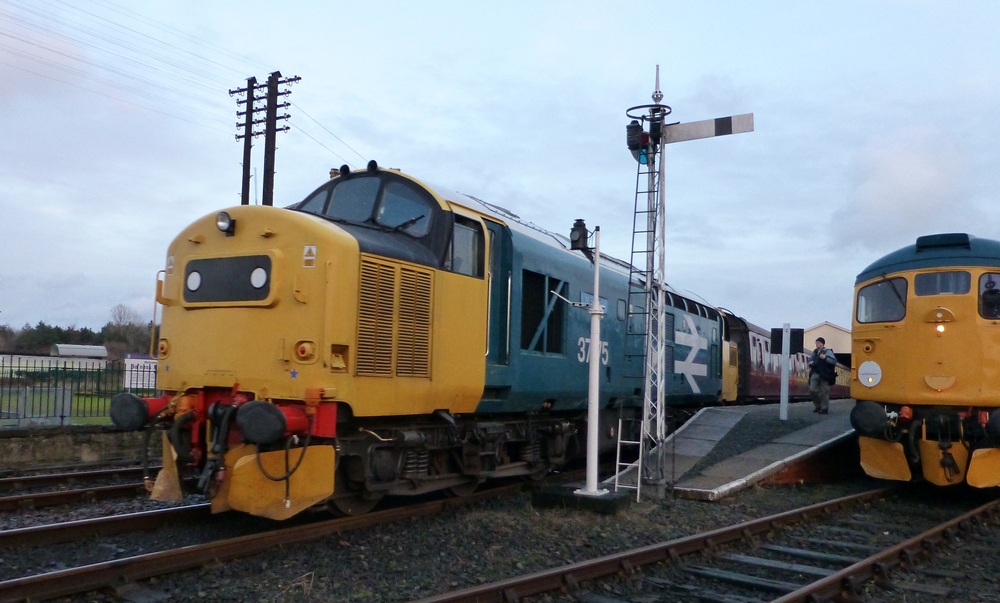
(875,123)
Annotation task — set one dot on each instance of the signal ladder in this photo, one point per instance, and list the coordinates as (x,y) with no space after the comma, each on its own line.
(643,352)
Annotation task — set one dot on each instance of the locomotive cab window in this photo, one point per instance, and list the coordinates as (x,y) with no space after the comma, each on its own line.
(884,301)
(353,200)
(956,282)
(465,254)
(379,200)
(403,208)
(989,295)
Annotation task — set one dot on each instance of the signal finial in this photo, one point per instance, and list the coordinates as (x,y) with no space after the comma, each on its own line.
(657,95)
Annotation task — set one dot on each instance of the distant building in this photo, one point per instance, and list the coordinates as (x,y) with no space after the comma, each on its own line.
(64,350)
(837,338)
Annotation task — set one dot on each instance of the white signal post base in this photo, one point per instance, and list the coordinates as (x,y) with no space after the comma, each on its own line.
(593,392)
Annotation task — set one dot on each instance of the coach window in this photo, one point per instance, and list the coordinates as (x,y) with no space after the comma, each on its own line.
(989,295)
(465,254)
(884,301)
(942,283)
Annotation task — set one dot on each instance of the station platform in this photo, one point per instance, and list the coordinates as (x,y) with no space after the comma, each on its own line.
(722,450)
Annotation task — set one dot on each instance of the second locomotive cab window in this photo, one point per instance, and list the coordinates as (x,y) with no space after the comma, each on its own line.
(942,283)
(989,295)
(884,301)
(542,313)
(402,208)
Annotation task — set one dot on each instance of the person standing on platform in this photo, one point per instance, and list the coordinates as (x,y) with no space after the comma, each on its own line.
(822,373)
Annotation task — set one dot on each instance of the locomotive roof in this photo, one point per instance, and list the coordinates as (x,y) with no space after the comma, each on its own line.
(936,251)
(522,226)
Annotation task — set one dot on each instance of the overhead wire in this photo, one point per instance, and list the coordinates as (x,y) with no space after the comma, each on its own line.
(124,50)
(2,62)
(363,158)
(96,78)
(105,50)
(299,128)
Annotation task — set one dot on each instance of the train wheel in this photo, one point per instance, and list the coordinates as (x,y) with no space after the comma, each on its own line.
(464,489)
(349,506)
(538,474)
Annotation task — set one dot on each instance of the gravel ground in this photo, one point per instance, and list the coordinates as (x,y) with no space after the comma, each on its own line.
(401,562)
(482,543)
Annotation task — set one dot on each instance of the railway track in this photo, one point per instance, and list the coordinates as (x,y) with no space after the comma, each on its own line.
(38,500)
(69,531)
(836,550)
(119,572)
(21,483)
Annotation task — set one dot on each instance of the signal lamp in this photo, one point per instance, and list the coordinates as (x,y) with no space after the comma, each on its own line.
(578,236)
(637,141)
(163,348)
(225,223)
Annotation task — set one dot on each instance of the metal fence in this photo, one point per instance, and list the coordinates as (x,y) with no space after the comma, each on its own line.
(46,391)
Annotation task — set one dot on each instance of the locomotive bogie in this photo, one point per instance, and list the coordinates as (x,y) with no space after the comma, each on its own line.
(925,356)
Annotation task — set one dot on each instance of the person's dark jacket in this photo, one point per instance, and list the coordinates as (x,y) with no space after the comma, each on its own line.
(826,367)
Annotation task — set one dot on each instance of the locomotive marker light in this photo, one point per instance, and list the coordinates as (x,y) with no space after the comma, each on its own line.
(869,373)
(578,242)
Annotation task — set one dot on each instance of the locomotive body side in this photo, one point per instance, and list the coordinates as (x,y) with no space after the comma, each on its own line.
(382,337)
(554,369)
(376,338)
(926,352)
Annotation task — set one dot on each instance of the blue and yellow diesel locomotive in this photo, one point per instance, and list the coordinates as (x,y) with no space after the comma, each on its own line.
(926,362)
(386,337)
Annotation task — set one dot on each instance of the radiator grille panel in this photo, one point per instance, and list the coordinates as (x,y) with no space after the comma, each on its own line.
(394,320)
(375,317)
(413,349)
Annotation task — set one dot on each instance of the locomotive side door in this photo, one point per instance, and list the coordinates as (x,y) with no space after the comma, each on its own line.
(498,350)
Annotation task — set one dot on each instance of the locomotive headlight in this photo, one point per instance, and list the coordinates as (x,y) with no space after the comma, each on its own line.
(940,328)
(194,280)
(869,373)
(225,223)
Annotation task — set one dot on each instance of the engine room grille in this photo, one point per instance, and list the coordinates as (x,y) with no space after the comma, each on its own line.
(394,320)
(375,310)
(413,349)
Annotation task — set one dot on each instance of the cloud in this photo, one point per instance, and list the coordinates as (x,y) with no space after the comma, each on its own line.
(906,184)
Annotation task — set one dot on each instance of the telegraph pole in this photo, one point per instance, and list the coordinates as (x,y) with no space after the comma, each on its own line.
(248,133)
(270,122)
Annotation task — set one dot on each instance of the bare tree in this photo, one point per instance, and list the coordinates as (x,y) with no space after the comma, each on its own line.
(122,315)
